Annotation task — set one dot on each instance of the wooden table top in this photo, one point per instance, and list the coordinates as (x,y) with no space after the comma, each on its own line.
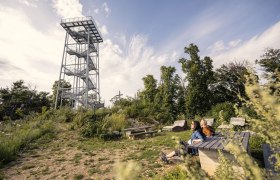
(137,128)
(216,142)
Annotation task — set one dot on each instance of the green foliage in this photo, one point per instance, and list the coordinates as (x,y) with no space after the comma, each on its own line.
(127,171)
(63,87)
(199,75)
(115,122)
(83,116)
(249,111)
(270,62)
(225,169)
(175,174)
(64,114)
(150,89)
(19,100)
(226,110)
(246,162)
(78,176)
(256,143)
(91,128)
(16,136)
(229,83)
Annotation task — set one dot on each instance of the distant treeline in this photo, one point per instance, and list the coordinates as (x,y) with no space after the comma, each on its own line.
(202,91)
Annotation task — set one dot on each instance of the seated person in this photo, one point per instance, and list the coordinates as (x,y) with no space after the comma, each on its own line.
(196,137)
(206,130)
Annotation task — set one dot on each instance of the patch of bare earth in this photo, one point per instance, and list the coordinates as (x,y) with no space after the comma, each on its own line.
(63,159)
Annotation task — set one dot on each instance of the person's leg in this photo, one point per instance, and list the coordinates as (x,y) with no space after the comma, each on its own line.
(170,155)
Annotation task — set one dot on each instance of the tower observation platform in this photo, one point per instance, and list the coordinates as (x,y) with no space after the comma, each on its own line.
(79,82)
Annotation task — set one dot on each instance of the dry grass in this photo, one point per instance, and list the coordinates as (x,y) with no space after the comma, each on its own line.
(72,157)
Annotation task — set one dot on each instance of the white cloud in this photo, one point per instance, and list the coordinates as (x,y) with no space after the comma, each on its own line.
(96,11)
(35,57)
(217,47)
(30,55)
(249,50)
(29,3)
(234,43)
(68,8)
(106,8)
(220,46)
(103,30)
(122,68)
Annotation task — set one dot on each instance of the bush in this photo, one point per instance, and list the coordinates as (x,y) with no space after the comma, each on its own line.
(64,114)
(18,135)
(249,111)
(115,122)
(91,128)
(227,112)
(176,173)
(256,143)
(82,117)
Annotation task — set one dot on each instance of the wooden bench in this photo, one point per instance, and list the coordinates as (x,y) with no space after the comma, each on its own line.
(179,125)
(129,131)
(234,121)
(210,121)
(134,132)
(208,151)
(135,135)
(269,160)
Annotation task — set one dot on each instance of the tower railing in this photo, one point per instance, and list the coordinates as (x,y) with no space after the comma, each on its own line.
(80,63)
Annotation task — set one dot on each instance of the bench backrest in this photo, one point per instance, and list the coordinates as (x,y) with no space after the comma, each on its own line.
(209,121)
(180,123)
(237,121)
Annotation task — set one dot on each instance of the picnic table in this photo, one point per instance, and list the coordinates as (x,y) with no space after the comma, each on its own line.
(234,121)
(208,151)
(179,125)
(131,133)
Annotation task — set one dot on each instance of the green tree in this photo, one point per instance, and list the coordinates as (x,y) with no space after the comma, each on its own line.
(20,100)
(199,75)
(270,62)
(229,83)
(65,87)
(150,89)
(166,100)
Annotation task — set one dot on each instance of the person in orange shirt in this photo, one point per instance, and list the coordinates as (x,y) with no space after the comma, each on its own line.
(206,130)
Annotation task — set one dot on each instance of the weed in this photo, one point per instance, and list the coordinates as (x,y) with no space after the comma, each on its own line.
(77,158)
(45,170)
(28,167)
(78,176)
(92,171)
(102,158)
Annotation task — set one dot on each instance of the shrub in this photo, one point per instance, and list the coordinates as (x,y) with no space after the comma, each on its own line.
(176,173)
(18,135)
(115,122)
(127,170)
(82,117)
(64,114)
(225,169)
(227,112)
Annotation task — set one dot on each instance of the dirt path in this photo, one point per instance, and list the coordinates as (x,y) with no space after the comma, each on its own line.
(64,158)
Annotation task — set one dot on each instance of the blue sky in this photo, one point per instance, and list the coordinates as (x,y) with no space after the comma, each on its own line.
(139,36)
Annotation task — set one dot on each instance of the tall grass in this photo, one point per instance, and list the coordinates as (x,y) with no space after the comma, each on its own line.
(15,136)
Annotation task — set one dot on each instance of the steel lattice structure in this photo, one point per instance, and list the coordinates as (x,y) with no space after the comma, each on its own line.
(80,64)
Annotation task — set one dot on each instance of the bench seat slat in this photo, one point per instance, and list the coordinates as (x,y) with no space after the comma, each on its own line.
(209,146)
(216,145)
(245,141)
(205,143)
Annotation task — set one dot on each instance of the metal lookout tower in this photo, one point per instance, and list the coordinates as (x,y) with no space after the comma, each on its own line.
(80,64)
